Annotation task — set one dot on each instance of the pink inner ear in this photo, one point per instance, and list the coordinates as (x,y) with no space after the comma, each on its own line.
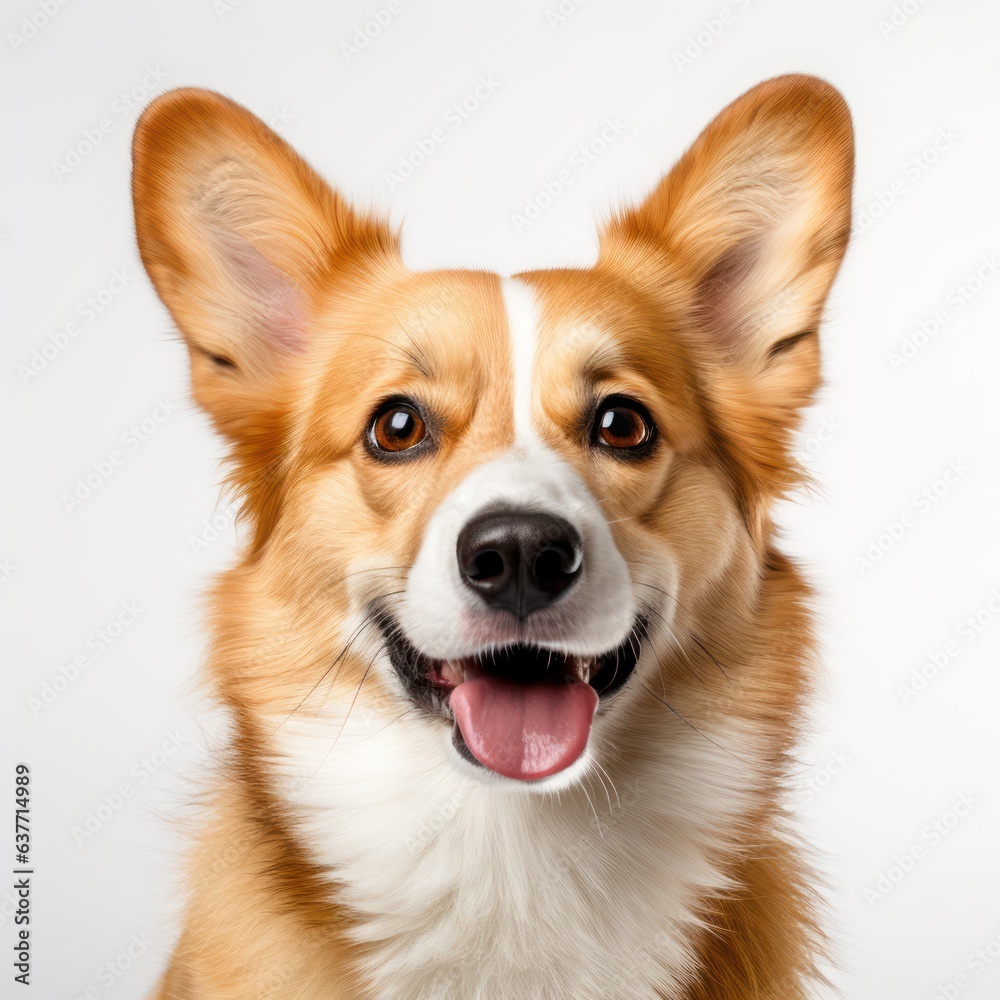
(722,292)
(273,301)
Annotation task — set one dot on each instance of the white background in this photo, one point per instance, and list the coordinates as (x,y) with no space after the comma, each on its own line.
(882,766)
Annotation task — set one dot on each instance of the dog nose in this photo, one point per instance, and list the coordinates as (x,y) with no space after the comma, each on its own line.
(521,561)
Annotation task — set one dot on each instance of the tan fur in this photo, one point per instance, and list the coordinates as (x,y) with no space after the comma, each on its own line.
(705,302)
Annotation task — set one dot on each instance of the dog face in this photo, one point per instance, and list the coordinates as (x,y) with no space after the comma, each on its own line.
(505,508)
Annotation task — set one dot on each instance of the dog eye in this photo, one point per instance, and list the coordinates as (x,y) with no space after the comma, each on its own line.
(623,424)
(397,427)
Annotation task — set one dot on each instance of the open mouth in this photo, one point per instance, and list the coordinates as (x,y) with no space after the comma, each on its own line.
(522,711)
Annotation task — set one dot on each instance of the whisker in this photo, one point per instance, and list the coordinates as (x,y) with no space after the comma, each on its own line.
(375,569)
(691,725)
(596,503)
(677,647)
(606,792)
(370,619)
(374,617)
(367,621)
(414,360)
(694,637)
(618,798)
(426,367)
(593,809)
(614,676)
(347,717)
(409,711)
(634,638)
(354,700)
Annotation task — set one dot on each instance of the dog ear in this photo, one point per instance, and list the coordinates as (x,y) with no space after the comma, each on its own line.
(239,236)
(746,233)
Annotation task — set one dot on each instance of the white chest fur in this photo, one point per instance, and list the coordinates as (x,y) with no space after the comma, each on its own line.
(465,890)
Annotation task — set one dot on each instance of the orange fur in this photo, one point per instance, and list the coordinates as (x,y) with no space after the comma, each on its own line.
(705,303)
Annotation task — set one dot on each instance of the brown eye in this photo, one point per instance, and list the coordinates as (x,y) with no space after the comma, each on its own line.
(623,424)
(397,427)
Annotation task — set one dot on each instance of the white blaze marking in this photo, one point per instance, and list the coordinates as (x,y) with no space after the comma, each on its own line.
(523,314)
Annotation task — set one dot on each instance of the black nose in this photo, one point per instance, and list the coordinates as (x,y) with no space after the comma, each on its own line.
(518,560)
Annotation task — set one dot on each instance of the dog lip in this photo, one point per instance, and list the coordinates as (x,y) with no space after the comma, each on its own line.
(430,681)
(448,674)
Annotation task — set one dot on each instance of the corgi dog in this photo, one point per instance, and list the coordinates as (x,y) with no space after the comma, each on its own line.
(513,665)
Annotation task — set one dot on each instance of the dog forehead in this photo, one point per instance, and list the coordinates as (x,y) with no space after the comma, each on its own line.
(437,338)
(450,310)
(588,312)
(573,315)
(465,320)
(596,333)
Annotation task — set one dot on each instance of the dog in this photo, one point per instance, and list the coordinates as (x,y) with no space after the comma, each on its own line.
(513,666)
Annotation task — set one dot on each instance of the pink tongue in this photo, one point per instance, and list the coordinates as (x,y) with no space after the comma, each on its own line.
(524,730)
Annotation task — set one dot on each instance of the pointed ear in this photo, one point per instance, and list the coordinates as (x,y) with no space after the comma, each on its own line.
(239,236)
(753,221)
(744,236)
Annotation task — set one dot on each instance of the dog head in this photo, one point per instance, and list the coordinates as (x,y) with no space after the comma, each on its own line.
(506,507)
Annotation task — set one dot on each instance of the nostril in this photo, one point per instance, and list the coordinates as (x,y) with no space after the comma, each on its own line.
(554,569)
(487,565)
